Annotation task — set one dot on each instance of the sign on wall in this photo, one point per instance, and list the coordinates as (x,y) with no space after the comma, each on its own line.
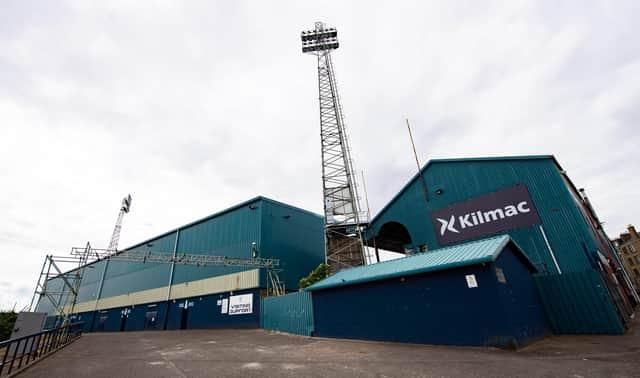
(471,281)
(225,305)
(487,214)
(241,304)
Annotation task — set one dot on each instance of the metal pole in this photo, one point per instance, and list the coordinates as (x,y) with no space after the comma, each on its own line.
(366,198)
(553,256)
(37,285)
(102,278)
(415,154)
(173,264)
(173,267)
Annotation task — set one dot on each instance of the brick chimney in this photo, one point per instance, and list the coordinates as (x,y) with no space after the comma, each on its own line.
(632,232)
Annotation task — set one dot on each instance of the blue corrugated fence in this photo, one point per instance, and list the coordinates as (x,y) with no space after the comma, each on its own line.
(291,313)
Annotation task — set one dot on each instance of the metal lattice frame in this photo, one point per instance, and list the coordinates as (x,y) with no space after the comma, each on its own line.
(64,299)
(202,260)
(342,218)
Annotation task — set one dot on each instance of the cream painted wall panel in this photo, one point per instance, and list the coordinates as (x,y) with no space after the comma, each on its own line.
(84,306)
(146,296)
(230,282)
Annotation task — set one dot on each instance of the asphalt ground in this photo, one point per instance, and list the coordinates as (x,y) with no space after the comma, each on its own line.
(259,353)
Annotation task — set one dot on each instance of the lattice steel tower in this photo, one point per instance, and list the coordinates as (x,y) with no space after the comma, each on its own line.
(115,237)
(343,236)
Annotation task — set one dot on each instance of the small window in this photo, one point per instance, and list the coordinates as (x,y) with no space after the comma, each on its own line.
(632,248)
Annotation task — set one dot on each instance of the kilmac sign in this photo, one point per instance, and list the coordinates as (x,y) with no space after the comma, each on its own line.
(487,214)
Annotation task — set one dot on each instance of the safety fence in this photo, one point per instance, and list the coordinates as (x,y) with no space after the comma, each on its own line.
(291,313)
(20,352)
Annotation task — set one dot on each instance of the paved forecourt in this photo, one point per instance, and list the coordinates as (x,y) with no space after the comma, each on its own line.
(259,353)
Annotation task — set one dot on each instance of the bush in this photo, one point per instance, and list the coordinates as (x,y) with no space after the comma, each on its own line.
(7,321)
(321,272)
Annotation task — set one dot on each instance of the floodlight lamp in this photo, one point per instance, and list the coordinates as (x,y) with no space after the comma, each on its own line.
(126,203)
(320,39)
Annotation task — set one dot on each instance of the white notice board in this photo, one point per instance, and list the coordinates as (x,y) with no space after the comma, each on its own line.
(241,304)
(471,281)
(225,305)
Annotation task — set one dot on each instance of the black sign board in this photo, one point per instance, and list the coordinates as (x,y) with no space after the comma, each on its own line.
(487,214)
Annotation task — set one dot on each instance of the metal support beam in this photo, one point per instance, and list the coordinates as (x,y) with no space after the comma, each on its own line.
(173,263)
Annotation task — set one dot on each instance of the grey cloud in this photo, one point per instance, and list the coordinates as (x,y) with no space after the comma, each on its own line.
(213,103)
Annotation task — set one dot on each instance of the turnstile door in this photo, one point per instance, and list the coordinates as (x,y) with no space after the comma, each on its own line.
(184,318)
(123,321)
(151,320)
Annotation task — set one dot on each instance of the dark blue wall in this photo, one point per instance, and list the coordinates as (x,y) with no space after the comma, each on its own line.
(435,308)
(86,318)
(205,312)
(138,321)
(524,311)
(111,322)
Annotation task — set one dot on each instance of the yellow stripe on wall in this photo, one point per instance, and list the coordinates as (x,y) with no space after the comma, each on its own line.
(230,282)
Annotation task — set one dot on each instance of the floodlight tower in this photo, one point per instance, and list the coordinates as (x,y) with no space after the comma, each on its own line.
(343,235)
(115,237)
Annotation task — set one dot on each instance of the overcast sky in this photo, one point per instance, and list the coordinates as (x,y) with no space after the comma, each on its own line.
(193,107)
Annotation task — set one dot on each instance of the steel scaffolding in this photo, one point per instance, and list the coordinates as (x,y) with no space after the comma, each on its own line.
(64,296)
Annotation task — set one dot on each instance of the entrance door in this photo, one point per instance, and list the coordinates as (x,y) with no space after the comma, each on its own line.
(101,322)
(150,320)
(184,318)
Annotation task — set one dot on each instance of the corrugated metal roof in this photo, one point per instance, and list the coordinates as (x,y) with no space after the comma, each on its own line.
(457,160)
(222,212)
(477,252)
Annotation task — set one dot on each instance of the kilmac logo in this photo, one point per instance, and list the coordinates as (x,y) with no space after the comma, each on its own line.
(486,214)
(479,217)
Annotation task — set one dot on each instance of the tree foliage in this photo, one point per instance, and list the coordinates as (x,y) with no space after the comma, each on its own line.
(321,272)
(7,321)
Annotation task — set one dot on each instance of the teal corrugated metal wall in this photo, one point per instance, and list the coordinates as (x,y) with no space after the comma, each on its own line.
(563,223)
(44,305)
(91,281)
(291,313)
(570,235)
(124,277)
(578,303)
(295,237)
(230,235)
(88,290)
(280,231)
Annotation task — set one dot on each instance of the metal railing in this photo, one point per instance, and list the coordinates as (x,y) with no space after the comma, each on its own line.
(21,351)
